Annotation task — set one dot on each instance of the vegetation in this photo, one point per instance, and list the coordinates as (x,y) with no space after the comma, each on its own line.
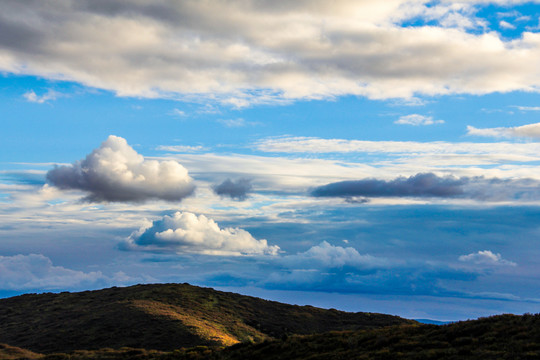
(183,322)
(498,337)
(162,317)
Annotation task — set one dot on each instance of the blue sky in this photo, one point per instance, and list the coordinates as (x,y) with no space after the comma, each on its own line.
(364,156)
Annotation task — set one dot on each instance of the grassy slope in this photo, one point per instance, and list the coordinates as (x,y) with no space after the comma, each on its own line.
(163,317)
(498,337)
(10,352)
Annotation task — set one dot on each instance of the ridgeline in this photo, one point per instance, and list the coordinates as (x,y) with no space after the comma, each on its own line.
(163,317)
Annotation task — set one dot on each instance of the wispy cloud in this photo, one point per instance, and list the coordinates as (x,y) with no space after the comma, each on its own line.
(528,108)
(239,122)
(525,131)
(31,96)
(181,148)
(416,120)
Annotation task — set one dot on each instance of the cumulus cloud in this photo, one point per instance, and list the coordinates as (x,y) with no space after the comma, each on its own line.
(185,232)
(35,271)
(244,52)
(525,131)
(417,119)
(432,186)
(330,256)
(116,172)
(237,190)
(330,268)
(486,257)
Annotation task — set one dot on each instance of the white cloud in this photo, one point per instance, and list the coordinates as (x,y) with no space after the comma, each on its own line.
(326,255)
(36,271)
(185,232)
(486,257)
(317,145)
(528,108)
(116,172)
(233,122)
(525,131)
(416,119)
(244,52)
(181,148)
(31,96)
(178,112)
(506,25)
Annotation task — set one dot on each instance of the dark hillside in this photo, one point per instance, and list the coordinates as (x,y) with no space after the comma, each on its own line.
(497,337)
(162,317)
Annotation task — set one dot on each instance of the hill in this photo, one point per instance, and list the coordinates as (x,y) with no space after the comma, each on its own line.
(162,317)
(497,337)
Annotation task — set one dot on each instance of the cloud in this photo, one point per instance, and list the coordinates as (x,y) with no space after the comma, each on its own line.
(416,120)
(430,185)
(330,268)
(420,185)
(528,108)
(116,172)
(31,96)
(181,148)
(486,257)
(178,112)
(233,122)
(525,131)
(328,256)
(185,232)
(506,25)
(246,52)
(288,144)
(35,271)
(235,190)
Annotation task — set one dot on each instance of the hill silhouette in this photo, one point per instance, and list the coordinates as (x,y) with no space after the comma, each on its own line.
(163,317)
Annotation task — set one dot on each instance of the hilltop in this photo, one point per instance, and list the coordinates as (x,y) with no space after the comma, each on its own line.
(163,317)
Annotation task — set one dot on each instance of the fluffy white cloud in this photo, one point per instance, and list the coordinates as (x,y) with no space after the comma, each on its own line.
(525,131)
(116,172)
(486,257)
(243,52)
(328,256)
(417,119)
(35,271)
(185,232)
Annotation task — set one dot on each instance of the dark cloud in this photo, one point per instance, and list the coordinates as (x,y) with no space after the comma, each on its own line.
(235,190)
(116,172)
(431,185)
(420,185)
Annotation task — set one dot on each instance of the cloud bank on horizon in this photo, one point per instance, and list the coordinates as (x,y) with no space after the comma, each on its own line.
(261,52)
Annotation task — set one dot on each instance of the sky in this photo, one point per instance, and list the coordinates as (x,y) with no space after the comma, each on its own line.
(358,155)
